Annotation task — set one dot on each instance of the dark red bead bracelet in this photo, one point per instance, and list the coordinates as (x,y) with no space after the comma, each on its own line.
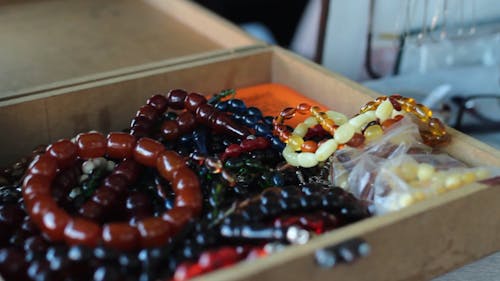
(58,225)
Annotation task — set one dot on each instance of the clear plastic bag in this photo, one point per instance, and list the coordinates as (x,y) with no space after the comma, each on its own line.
(398,170)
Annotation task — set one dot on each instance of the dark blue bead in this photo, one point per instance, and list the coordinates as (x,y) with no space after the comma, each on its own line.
(254,111)
(268,120)
(238,117)
(277,179)
(186,138)
(277,144)
(250,120)
(222,105)
(262,129)
(236,105)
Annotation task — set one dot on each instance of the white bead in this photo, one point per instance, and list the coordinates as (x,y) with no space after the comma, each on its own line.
(425,171)
(326,149)
(397,112)
(453,181)
(290,156)
(344,133)
(361,120)
(301,130)
(99,162)
(307,159)
(337,117)
(384,110)
(110,165)
(311,122)
(83,178)
(87,167)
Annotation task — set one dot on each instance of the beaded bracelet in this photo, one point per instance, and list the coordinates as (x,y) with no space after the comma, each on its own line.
(197,110)
(383,106)
(59,225)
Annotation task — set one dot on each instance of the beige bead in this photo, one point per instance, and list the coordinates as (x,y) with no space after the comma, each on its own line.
(326,149)
(384,110)
(362,119)
(87,167)
(408,170)
(344,133)
(482,173)
(99,162)
(311,122)
(337,117)
(468,177)
(301,130)
(290,156)
(419,195)
(307,159)
(425,171)
(406,200)
(453,181)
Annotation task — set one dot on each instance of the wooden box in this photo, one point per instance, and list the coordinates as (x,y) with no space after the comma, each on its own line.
(417,243)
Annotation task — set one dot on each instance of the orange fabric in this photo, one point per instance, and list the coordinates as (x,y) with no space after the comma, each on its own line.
(272,98)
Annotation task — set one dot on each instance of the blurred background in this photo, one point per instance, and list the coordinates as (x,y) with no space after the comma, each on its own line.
(445,53)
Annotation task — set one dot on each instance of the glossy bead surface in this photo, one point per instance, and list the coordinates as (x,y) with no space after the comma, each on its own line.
(309,146)
(120,145)
(147,150)
(153,232)
(356,140)
(43,165)
(91,145)
(168,162)
(64,151)
(170,130)
(186,121)
(178,217)
(120,236)
(54,222)
(373,132)
(159,102)
(193,101)
(148,111)
(176,98)
(128,169)
(82,232)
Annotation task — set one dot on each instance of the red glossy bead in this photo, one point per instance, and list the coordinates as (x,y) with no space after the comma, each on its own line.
(186,271)
(193,101)
(356,140)
(176,98)
(128,169)
(39,206)
(159,102)
(120,236)
(170,130)
(92,211)
(222,257)
(82,231)
(116,182)
(139,131)
(205,113)
(105,197)
(186,121)
(64,151)
(142,121)
(35,185)
(154,232)
(91,145)
(147,150)
(43,165)
(120,145)
(233,150)
(168,162)
(54,222)
(147,111)
(178,217)
(223,124)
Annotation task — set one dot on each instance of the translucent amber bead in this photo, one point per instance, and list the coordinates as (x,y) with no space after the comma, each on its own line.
(309,146)
(436,127)
(356,140)
(373,132)
(423,112)
(295,142)
(288,113)
(303,108)
(369,106)
(328,125)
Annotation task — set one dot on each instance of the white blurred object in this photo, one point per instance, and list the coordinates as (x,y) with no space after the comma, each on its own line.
(437,95)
